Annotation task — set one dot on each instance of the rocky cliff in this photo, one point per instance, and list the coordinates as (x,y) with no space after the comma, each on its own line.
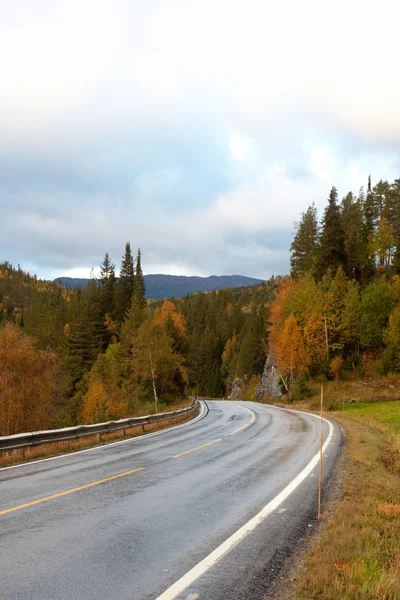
(269,384)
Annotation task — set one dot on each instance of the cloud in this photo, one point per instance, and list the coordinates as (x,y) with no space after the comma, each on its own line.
(197,130)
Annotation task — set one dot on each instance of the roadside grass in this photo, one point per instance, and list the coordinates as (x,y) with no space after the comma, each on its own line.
(47,450)
(357,555)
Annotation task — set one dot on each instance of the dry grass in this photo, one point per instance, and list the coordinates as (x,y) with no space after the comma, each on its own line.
(357,556)
(46,450)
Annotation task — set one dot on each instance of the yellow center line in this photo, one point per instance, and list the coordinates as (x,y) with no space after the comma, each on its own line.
(253,418)
(72,491)
(195,449)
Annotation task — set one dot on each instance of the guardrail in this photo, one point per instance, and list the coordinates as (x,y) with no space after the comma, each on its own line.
(37,438)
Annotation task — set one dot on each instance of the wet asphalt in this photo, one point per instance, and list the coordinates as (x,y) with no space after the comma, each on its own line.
(133,536)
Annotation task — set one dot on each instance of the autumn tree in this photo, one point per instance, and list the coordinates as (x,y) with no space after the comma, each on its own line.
(382,244)
(290,353)
(153,358)
(106,395)
(27,383)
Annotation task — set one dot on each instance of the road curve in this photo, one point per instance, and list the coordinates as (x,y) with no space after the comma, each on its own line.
(207,510)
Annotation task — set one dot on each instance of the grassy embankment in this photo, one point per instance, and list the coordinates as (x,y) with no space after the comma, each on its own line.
(357,555)
(45,450)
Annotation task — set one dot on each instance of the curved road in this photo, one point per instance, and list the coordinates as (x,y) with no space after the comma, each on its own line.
(207,510)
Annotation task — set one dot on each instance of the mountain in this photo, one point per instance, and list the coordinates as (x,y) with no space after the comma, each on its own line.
(168,286)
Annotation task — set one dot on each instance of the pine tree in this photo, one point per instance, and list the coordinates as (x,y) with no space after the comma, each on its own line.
(395,222)
(126,283)
(136,314)
(86,336)
(107,286)
(139,289)
(331,253)
(352,220)
(305,243)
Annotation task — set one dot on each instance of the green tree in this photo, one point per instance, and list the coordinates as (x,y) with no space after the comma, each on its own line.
(154,359)
(85,338)
(354,242)
(305,244)
(126,283)
(107,286)
(376,305)
(391,337)
(136,314)
(395,222)
(331,253)
(139,289)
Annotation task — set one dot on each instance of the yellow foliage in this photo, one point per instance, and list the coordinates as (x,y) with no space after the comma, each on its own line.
(168,309)
(27,383)
(95,404)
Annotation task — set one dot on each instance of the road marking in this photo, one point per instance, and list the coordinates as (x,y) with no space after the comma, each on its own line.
(253,418)
(72,491)
(195,449)
(133,440)
(209,561)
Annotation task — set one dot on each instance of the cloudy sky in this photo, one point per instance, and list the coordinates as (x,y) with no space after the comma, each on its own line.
(197,129)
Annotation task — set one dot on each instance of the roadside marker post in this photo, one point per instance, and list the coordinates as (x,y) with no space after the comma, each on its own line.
(320,455)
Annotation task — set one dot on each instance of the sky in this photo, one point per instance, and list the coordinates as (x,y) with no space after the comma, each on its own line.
(199,130)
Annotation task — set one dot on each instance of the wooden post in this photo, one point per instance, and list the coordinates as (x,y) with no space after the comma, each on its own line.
(320,456)
(326,339)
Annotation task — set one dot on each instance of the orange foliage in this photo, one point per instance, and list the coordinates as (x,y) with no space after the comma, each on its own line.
(168,309)
(290,352)
(27,383)
(95,409)
(314,337)
(278,314)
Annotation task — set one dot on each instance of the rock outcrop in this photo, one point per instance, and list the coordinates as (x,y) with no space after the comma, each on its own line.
(269,384)
(236,391)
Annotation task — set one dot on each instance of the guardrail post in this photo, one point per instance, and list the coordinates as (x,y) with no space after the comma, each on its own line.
(99,438)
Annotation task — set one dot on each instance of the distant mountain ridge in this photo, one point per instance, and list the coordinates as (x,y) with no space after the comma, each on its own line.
(167,286)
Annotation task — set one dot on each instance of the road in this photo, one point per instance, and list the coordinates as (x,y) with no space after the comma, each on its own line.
(207,510)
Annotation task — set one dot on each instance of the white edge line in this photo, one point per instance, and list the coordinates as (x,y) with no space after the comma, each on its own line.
(110,445)
(209,561)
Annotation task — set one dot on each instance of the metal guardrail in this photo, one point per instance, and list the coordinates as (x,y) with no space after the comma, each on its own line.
(36,438)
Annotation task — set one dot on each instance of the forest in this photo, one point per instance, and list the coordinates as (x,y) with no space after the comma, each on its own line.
(70,356)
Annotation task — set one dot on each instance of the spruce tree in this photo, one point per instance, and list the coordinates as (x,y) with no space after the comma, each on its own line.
(305,243)
(331,252)
(87,332)
(139,289)
(354,243)
(135,316)
(395,221)
(107,286)
(126,283)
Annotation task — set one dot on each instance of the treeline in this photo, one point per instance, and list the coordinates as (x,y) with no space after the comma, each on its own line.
(339,312)
(70,356)
(361,234)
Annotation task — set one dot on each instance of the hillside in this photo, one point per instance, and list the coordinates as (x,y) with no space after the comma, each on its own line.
(168,286)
